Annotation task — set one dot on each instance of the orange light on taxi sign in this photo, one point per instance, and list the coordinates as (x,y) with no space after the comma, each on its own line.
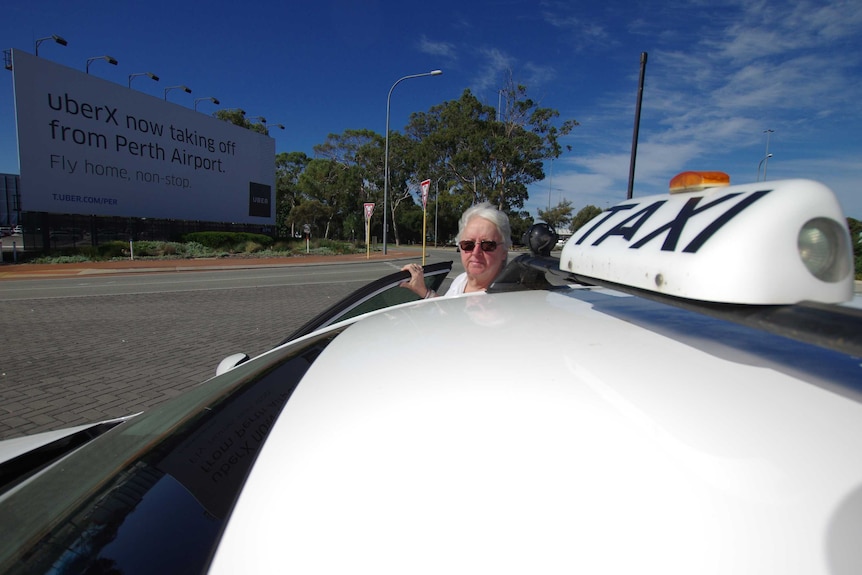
(694,181)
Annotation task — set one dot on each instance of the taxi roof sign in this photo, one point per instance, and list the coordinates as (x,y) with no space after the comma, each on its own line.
(766,243)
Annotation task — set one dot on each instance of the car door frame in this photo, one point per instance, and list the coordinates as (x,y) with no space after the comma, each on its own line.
(434,275)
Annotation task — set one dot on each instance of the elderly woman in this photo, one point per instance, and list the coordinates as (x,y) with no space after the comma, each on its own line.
(484,238)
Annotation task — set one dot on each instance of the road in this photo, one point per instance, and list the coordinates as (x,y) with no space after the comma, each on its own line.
(77,350)
(199,281)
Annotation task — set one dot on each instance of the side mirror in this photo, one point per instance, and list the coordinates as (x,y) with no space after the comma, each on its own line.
(231,362)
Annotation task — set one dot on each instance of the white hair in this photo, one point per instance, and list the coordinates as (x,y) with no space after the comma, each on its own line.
(487,211)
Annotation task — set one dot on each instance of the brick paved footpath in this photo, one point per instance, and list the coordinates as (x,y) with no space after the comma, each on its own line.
(67,361)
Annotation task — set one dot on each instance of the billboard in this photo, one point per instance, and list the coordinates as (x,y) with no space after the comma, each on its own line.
(89,146)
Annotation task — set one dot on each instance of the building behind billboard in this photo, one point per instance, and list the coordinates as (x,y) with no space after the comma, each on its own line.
(91,147)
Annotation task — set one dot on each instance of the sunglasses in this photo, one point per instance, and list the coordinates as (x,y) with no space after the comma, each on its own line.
(484,245)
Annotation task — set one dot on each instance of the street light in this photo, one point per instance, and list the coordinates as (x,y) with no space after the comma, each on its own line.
(152,76)
(386,151)
(264,124)
(760,164)
(185,89)
(768,155)
(436,204)
(53,37)
(108,59)
(210,98)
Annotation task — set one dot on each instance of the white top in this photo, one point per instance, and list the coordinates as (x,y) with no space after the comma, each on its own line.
(458,286)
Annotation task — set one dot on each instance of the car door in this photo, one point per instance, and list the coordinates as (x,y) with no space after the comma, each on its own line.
(382,293)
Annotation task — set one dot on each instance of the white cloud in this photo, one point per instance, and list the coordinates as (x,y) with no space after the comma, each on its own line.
(441,49)
(491,73)
(706,105)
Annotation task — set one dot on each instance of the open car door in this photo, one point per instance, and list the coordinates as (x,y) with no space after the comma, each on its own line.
(382,293)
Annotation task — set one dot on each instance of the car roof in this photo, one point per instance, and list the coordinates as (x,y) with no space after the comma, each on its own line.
(473,438)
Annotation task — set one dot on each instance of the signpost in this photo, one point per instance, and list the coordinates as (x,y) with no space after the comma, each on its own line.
(369,209)
(424,185)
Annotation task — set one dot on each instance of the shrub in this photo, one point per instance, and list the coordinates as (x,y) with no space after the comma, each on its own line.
(226,240)
(112,250)
(196,250)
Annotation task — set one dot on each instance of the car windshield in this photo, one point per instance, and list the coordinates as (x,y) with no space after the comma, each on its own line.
(123,503)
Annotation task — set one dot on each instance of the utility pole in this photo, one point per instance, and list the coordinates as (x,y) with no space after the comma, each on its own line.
(637,126)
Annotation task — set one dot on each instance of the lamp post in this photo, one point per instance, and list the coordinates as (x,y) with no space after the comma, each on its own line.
(108,59)
(150,75)
(210,98)
(185,89)
(260,119)
(265,125)
(54,37)
(768,155)
(760,164)
(276,125)
(386,149)
(436,206)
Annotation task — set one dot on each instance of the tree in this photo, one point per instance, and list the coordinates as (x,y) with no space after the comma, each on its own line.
(528,135)
(403,178)
(361,152)
(330,184)
(288,168)
(448,205)
(582,217)
(237,117)
(234,116)
(310,213)
(471,153)
(559,216)
(491,159)
(520,222)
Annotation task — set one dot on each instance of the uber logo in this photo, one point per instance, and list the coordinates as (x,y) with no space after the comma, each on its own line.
(259,200)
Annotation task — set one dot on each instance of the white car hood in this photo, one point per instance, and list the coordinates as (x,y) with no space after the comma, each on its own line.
(529,432)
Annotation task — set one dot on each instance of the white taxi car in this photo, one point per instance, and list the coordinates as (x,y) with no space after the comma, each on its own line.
(677,393)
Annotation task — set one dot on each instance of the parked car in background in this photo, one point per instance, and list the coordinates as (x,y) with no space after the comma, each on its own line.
(680,391)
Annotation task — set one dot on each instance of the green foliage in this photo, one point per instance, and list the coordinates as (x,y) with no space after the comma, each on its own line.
(227,241)
(559,216)
(583,216)
(490,154)
(112,250)
(321,246)
(520,222)
(288,168)
(237,244)
(234,116)
(57,258)
(471,152)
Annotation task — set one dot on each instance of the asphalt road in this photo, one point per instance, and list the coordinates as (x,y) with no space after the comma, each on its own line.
(79,350)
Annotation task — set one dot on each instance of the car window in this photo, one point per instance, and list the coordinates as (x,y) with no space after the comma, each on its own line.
(379,294)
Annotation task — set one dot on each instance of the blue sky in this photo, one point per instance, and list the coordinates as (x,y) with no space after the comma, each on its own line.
(718,75)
